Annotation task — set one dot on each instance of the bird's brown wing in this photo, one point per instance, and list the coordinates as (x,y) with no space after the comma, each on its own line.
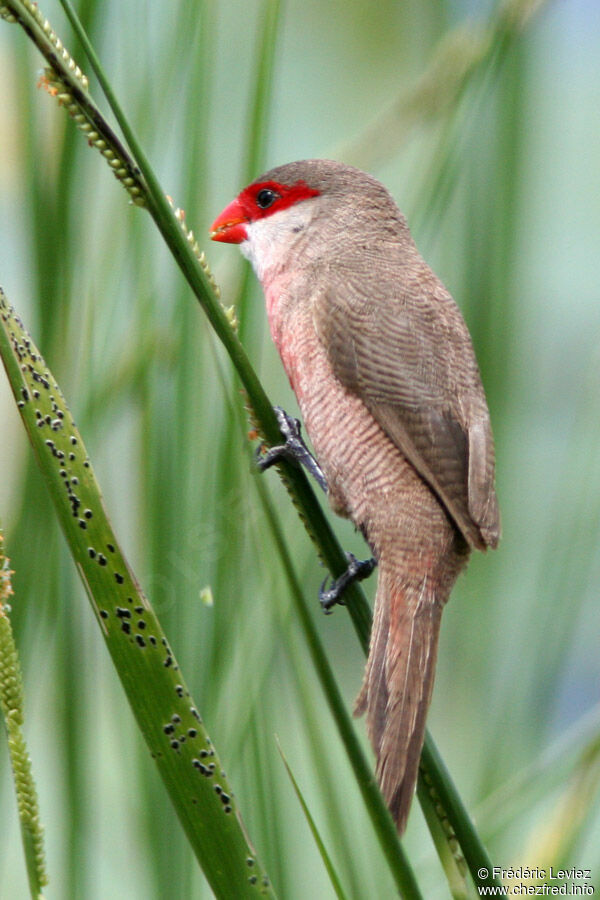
(411,361)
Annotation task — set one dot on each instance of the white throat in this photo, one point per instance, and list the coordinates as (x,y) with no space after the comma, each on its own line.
(270,240)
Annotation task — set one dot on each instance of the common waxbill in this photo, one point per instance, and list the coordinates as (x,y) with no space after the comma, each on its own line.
(382,364)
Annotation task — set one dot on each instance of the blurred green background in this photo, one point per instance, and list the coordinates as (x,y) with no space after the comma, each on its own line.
(500,180)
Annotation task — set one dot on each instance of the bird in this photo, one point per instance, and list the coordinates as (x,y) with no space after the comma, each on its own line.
(383,368)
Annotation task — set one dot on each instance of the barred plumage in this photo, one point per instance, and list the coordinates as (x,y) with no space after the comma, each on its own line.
(382,364)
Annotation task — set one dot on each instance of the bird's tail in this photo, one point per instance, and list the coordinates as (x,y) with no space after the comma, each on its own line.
(398,683)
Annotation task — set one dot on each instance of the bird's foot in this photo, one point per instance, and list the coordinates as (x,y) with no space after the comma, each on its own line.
(294,448)
(358,570)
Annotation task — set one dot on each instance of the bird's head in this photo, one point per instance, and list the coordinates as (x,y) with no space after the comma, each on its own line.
(269,216)
(262,201)
(323,204)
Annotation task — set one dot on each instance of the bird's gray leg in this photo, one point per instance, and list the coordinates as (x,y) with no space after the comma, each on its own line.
(358,569)
(294,448)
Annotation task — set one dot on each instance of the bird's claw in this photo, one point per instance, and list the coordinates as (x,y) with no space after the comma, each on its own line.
(294,448)
(358,570)
(290,429)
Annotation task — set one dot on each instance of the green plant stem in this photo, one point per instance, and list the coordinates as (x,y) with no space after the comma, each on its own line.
(474,851)
(12,711)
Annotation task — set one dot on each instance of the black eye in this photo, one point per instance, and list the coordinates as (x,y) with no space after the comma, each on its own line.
(266,198)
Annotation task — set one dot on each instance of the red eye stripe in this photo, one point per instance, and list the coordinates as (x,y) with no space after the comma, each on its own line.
(287,195)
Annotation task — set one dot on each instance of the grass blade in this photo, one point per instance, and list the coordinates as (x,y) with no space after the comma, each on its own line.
(160,700)
(335,881)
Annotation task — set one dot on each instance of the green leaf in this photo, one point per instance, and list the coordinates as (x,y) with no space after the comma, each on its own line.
(165,712)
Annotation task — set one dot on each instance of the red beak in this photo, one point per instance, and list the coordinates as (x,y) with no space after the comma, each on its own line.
(230,225)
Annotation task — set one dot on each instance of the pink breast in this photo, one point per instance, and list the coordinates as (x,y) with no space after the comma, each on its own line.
(286,335)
